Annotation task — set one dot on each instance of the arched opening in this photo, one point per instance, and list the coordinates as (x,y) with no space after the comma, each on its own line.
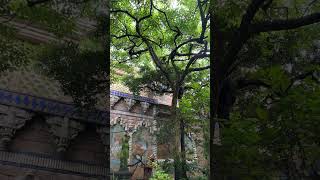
(117,153)
(88,147)
(33,137)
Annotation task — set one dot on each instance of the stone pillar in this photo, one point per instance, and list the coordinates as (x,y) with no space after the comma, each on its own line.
(130,146)
(154,139)
(11,119)
(64,130)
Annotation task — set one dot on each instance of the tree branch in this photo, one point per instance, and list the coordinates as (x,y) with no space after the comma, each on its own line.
(242,35)
(36,2)
(125,12)
(278,25)
(243,83)
(199,69)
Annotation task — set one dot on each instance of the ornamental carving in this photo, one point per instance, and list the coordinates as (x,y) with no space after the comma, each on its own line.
(11,119)
(64,130)
(145,106)
(113,100)
(130,103)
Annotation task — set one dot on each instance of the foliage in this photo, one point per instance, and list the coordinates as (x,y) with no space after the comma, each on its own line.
(159,174)
(12,49)
(81,72)
(264,143)
(159,34)
(124,153)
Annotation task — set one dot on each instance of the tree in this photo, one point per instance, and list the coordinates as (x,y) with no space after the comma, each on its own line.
(248,30)
(176,43)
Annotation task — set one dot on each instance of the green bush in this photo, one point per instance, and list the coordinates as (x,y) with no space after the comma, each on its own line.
(161,175)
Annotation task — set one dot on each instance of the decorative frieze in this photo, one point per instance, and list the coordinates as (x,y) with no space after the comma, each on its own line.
(11,119)
(64,130)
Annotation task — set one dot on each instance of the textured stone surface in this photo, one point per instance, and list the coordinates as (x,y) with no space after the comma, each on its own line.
(25,80)
(63,130)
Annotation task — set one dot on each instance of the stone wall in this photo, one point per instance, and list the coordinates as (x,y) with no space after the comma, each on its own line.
(43,140)
(15,172)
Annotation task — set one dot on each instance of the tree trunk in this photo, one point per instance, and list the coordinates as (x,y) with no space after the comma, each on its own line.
(183,150)
(215,78)
(179,160)
(174,103)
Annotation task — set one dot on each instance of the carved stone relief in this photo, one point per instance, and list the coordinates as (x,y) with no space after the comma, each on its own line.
(145,106)
(63,130)
(141,145)
(113,100)
(11,119)
(130,103)
(117,138)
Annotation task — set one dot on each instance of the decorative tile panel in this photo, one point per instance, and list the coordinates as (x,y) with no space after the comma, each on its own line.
(49,106)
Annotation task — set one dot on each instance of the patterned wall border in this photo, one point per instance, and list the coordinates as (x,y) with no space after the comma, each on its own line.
(50,106)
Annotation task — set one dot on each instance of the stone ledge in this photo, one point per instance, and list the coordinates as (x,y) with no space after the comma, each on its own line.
(26,160)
